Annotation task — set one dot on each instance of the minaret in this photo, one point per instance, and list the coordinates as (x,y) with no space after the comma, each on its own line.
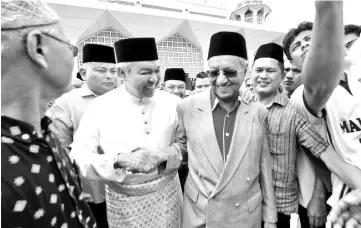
(251,11)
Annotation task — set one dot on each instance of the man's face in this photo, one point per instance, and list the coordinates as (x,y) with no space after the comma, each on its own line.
(249,84)
(299,48)
(266,76)
(101,77)
(349,40)
(142,79)
(175,87)
(225,76)
(201,84)
(292,78)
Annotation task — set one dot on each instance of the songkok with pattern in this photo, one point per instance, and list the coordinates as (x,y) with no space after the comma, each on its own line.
(227,43)
(20,14)
(98,53)
(175,74)
(136,50)
(270,50)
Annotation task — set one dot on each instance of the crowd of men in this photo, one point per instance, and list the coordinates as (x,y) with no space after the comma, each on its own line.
(250,146)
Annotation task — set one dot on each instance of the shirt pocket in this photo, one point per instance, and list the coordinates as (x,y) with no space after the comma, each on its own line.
(277,141)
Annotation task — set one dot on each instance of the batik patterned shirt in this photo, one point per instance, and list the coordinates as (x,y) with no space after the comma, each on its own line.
(39,184)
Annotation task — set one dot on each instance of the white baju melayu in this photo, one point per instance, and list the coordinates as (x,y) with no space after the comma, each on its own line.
(118,122)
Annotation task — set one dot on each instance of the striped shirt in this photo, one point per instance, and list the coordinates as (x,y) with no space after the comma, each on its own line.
(287,131)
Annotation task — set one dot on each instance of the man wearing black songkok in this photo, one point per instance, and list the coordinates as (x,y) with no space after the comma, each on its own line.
(175,80)
(134,125)
(175,83)
(287,133)
(100,76)
(230,177)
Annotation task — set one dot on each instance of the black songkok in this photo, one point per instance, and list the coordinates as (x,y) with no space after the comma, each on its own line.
(175,74)
(227,43)
(98,53)
(136,49)
(270,50)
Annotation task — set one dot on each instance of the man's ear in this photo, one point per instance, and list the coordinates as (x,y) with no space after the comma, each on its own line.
(121,74)
(36,48)
(82,72)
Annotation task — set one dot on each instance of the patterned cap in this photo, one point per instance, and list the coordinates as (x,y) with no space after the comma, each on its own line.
(19,14)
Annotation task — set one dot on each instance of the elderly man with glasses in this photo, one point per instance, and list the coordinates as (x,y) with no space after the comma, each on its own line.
(230,177)
(39,183)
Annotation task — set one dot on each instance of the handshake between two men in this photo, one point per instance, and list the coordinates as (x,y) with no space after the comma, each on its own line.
(146,160)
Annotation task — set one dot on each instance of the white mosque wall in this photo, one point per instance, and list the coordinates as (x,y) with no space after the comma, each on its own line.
(182,38)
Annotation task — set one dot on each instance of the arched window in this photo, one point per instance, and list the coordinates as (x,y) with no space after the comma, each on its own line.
(176,51)
(248,16)
(260,16)
(105,37)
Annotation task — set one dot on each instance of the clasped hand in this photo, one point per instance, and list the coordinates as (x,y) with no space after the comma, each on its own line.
(141,160)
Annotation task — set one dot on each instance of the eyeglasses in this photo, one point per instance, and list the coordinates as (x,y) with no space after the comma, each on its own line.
(73,49)
(227,73)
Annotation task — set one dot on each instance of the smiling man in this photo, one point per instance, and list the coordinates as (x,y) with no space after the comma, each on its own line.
(287,131)
(134,126)
(230,177)
(100,74)
(175,81)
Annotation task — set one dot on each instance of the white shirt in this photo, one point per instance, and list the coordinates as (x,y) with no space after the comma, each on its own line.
(118,122)
(343,121)
(67,112)
(354,73)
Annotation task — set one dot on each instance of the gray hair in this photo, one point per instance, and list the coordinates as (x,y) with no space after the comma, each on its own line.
(19,34)
(125,66)
(244,64)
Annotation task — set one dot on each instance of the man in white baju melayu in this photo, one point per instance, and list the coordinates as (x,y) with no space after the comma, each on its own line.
(135,126)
